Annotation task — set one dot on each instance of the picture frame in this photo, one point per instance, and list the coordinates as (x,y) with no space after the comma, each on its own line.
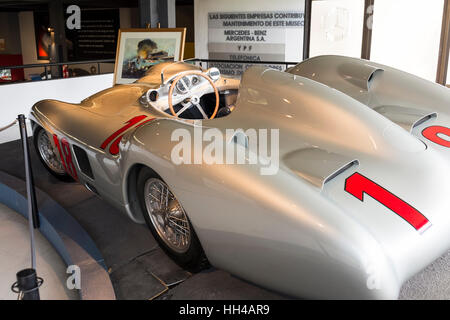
(139,49)
(43,36)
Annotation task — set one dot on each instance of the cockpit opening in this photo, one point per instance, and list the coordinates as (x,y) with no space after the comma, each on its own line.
(186,91)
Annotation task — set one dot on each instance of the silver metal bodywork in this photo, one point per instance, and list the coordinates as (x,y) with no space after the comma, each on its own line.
(298,231)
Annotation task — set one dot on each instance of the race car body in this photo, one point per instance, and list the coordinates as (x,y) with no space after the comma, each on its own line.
(341,190)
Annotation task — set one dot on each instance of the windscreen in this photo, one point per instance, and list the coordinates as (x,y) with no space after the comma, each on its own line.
(161,72)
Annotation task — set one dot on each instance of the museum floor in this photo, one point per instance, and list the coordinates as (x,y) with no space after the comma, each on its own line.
(139,269)
(15,256)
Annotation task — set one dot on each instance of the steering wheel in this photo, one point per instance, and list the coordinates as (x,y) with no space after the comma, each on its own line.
(193,100)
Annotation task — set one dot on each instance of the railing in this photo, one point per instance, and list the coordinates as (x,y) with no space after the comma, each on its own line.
(47,74)
(226,66)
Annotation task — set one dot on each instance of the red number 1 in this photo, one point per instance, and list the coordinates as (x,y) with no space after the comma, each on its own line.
(357,185)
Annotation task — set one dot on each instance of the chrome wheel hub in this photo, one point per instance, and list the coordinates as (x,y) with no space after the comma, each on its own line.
(48,154)
(167,215)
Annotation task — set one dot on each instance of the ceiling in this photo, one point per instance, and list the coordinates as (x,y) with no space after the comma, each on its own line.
(22,5)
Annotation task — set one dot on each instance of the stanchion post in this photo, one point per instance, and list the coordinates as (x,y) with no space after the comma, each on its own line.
(27,285)
(28,171)
(28,282)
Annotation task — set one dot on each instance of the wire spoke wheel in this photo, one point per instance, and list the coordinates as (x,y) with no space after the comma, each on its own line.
(167,215)
(48,153)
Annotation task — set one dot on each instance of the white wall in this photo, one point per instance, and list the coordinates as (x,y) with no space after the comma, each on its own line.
(406,35)
(19,98)
(28,41)
(337,27)
(203,7)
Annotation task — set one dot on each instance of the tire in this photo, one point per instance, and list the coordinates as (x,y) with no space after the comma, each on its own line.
(39,145)
(188,255)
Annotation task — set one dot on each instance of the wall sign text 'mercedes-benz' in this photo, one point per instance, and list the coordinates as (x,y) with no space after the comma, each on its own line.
(254,36)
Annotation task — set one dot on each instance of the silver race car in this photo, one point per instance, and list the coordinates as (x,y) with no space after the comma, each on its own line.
(340,188)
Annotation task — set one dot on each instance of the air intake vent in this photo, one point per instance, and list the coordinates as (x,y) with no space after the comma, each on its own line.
(83,161)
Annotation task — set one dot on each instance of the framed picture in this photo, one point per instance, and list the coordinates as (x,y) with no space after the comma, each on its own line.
(139,49)
(43,36)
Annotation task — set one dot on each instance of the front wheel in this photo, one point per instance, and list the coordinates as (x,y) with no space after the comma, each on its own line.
(168,222)
(49,156)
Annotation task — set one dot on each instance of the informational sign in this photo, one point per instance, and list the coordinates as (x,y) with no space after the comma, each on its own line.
(97,37)
(235,69)
(254,36)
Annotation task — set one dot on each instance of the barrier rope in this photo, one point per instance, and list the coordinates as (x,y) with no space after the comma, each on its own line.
(8,126)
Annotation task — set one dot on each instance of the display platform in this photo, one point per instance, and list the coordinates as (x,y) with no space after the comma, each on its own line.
(14,244)
(66,235)
(139,269)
